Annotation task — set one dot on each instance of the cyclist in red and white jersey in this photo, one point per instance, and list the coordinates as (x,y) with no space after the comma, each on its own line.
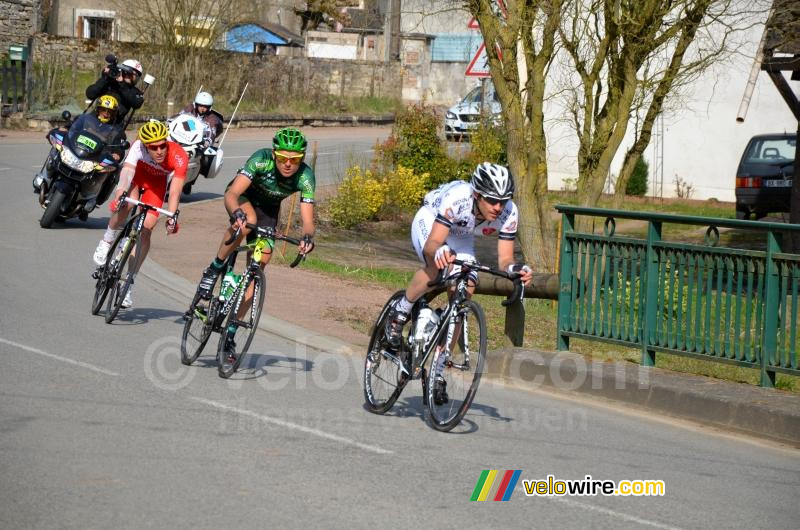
(144,175)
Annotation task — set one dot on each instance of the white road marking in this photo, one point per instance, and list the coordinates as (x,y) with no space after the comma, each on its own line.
(295,426)
(612,513)
(59,358)
(4,168)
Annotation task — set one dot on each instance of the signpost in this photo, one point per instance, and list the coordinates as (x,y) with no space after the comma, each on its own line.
(479,65)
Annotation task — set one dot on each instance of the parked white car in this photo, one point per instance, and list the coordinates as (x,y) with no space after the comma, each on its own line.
(465,116)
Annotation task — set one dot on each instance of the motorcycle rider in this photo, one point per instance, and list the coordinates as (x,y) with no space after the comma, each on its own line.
(101,122)
(119,81)
(212,122)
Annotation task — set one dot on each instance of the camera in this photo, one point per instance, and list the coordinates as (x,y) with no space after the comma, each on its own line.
(113,69)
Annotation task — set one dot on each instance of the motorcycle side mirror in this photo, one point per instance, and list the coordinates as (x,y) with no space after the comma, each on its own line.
(66,115)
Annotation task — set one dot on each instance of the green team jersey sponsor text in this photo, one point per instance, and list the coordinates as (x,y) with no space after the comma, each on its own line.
(269,186)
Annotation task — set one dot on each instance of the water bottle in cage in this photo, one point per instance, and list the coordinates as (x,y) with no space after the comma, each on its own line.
(229,282)
(427,321)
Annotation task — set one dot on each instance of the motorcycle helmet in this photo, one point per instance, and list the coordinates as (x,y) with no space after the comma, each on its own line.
(106,102)
(205,99)
(132,66)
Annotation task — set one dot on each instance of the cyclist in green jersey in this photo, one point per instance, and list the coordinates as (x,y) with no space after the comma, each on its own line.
(255,194)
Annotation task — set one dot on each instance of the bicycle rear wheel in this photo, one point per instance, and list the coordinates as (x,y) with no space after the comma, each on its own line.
(383,378)
(110,272)
(230,355)
(460,370)
(198,327)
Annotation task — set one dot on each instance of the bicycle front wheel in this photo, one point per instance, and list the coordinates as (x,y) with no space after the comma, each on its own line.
(384,380)
(238,333)
(109,273)
(198,327)
(455,371)
(121,282)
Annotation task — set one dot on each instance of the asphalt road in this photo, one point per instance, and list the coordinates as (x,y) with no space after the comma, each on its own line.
(101,427)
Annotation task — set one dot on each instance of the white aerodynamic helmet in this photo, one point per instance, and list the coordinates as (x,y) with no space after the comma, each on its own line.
(493,180)
(204,98)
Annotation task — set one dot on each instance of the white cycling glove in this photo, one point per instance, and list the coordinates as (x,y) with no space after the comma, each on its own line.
(442,252)
(518,267)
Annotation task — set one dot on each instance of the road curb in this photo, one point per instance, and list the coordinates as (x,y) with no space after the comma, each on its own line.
(755,411)
(183,290)
(759,412)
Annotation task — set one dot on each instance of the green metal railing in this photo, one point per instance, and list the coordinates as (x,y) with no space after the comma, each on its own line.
(731,305)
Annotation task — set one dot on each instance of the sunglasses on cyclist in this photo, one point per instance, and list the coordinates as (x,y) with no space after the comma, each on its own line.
(292,159)
(157,147)
(494,202)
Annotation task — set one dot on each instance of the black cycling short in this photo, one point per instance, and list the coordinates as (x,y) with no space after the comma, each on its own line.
(266,216)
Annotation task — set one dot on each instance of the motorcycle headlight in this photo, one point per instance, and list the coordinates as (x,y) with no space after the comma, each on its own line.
(69,158)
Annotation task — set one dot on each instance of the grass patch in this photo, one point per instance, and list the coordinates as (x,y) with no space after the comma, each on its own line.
(382,276)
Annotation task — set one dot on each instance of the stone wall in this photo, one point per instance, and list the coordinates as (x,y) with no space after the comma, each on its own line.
(17,22)
(273,80)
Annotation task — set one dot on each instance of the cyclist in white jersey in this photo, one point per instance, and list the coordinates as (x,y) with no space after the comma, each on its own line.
(444,229)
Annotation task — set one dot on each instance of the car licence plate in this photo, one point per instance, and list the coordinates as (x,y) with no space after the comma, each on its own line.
(778,183)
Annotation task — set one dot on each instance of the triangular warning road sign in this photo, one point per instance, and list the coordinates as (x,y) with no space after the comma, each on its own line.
(473,24)
(479,65)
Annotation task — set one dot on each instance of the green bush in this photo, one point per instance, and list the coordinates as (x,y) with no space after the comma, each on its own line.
(489,144)
(637,184)
(404,191)
(415,144)
(359,198)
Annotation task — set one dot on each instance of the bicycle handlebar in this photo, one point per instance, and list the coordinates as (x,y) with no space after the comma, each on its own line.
(466,266)
(270,233)
(124,197)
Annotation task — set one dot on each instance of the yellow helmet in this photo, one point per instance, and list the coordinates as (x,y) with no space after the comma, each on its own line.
(153,131)
(107,102)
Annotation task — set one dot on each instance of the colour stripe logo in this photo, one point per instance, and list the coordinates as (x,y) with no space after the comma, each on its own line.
(496,485)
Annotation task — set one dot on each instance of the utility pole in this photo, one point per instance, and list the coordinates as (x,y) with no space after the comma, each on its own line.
(395,48)
(387,31)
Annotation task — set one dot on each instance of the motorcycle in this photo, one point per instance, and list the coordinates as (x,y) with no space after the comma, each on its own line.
(71,181)
(187,130)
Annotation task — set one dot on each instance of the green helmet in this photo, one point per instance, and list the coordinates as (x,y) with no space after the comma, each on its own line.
(288,139)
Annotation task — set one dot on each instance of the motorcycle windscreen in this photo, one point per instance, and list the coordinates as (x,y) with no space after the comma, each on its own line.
(86,144)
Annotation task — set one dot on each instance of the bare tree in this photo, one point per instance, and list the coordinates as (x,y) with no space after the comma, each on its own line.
(618,62)
(184,32)
(629,57)
(314,13)
(521,46)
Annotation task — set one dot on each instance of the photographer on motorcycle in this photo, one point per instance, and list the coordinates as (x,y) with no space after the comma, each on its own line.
(119,80)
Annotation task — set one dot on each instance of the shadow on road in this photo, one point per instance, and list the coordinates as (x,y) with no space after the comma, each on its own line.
(142,315)
(92,223)
(198,196)
(414,407)
(256,365)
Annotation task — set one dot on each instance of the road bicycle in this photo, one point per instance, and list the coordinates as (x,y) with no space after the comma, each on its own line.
(454,337)
(229,300)
(112,286)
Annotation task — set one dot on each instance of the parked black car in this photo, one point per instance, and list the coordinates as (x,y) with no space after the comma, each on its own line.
(764,176)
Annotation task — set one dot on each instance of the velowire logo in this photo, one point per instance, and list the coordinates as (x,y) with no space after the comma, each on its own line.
(496,485)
